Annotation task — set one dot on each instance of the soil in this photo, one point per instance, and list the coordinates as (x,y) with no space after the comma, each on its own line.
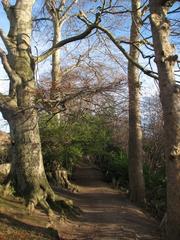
(106,214)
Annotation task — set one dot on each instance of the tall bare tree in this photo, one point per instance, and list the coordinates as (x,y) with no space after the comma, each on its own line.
(165,59)
(135,150)
(59,12)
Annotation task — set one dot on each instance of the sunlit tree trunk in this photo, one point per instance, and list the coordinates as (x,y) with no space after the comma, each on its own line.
(56,11)
(170,99)
(28,172)
(135,150)
(56,67)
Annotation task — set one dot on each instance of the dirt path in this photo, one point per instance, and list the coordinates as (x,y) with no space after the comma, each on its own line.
(106,213)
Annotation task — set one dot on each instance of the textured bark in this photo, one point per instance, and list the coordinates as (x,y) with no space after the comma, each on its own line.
(27,165)
(170,99)
(56,59)
(135,150)
(59,12)
(56,68)
(58,17)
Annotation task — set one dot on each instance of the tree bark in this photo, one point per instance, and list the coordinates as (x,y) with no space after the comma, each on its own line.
(56,68)
(27,168)
(170,98)
(135,150)
(56,74)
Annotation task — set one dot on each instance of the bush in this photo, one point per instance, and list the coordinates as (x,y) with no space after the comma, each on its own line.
(155,181)
(58,144)
(68,142)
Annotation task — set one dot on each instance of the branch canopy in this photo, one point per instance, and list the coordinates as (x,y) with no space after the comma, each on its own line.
(49,52)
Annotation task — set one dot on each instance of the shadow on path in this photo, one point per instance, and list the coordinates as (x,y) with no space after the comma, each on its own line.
(106,213)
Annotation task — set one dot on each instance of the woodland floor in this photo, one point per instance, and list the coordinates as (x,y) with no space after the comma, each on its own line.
(105,214)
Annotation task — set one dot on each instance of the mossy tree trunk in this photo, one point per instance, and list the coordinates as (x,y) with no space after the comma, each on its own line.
(135,149)
(28,170)
(19,107)
(170,99)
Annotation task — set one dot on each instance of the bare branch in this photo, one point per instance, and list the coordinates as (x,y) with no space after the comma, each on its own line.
(41,19)
(49,52)
(10,72)
(51,7)
(168,3)
(6,5)
(59,103)
(69,8)
(117,44)
(66,71)
(8,44)
(177,10)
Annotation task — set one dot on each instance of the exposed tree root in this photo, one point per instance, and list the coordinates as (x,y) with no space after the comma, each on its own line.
(61,178)
(42,195)
(65,207)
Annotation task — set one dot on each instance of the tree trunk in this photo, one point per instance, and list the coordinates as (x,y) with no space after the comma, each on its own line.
(170,99)
(56,73)
(56,68)
(135,150)
(27,168)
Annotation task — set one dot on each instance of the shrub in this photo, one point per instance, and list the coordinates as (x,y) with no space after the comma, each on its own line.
(155,181)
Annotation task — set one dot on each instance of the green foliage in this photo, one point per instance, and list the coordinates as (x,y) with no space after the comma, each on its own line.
(155,190)
(90,137)
(58,144)
(87,137)
(114,164)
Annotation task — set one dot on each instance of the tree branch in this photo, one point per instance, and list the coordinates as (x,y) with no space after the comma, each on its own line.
(6,6)
(168,3)
(59,104)
(7,42)
(41,19)
(49,52)
(128,57)
(15,79)
(118,45)
(69,8)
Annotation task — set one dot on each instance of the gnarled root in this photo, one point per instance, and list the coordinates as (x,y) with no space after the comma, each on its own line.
(61,176)
(65,207)
(40,193)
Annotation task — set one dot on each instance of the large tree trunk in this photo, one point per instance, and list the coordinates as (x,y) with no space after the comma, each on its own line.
(170,99)
(27,168)
(135,150)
